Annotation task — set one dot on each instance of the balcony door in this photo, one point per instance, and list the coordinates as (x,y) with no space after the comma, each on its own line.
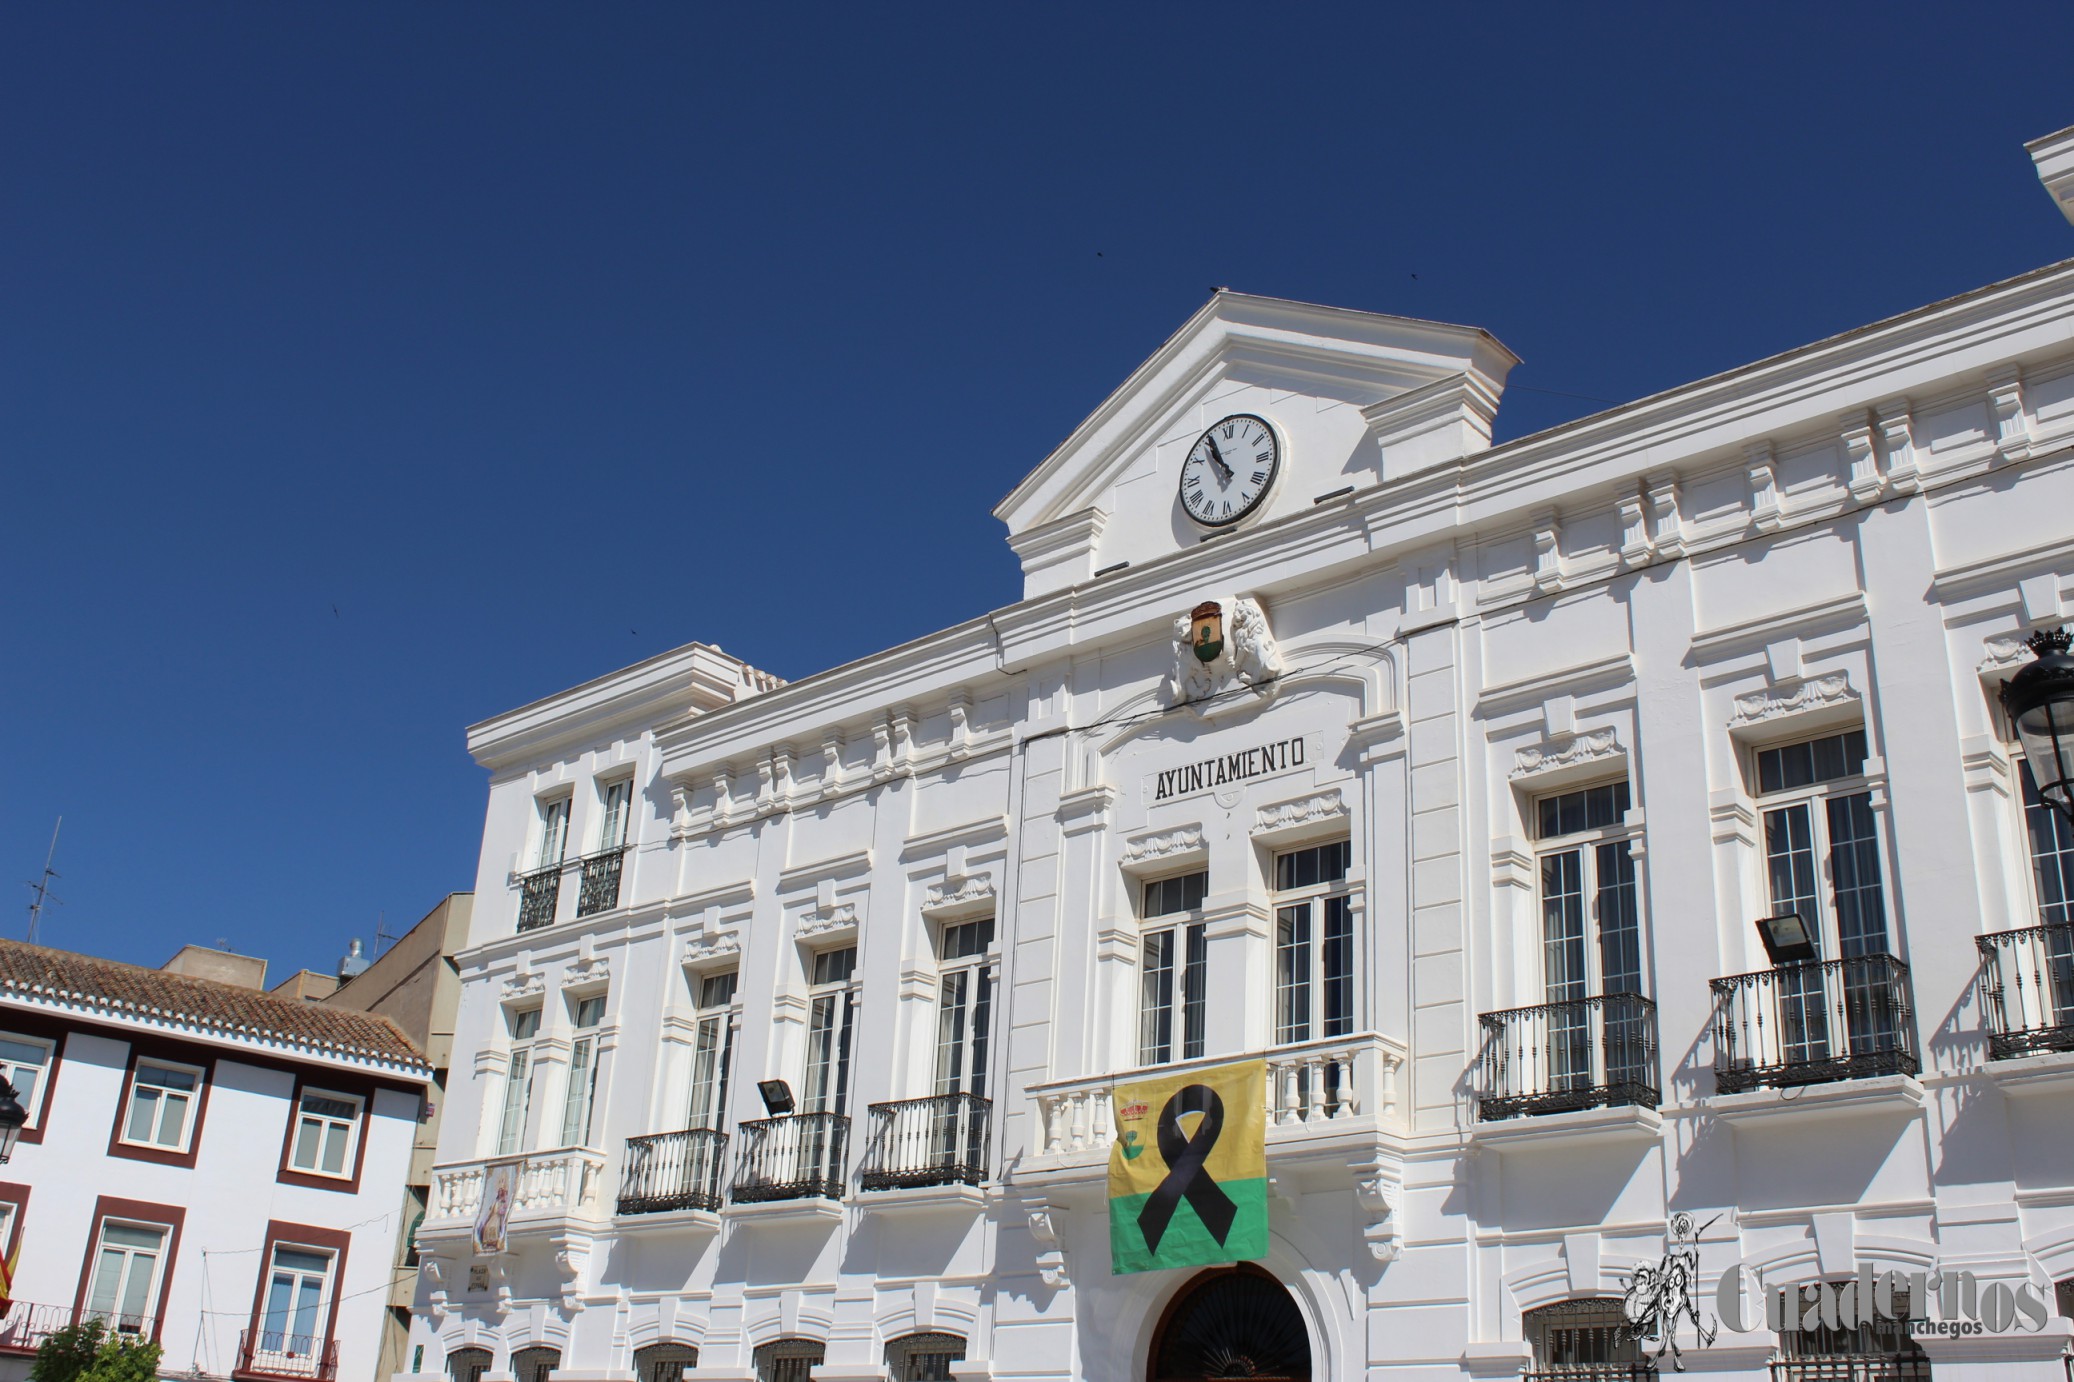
(964,1030)
(290,1334)
(1591,940)
(1822,863)
(831,1018)
(713,1052)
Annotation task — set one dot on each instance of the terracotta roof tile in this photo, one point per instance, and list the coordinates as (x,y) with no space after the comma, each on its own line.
(36,973)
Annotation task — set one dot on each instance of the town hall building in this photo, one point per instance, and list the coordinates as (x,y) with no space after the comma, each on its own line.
(1611,841)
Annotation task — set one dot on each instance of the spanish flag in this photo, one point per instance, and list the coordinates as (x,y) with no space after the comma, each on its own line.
(1188,1173)
(7,1280)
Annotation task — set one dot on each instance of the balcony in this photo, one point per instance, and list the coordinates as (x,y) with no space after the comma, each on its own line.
(800,1156)
(1591,1372)
(923,1142)
(1558,1057)
(548,1188)
(670,1171)
(1803,1024)
(2027,990)
(28,1324)
(1852,1367)
(599,888)
(1334,1095)
(272,1353)
(538,893)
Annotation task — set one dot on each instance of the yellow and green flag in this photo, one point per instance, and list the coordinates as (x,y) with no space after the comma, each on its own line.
(1188,1173)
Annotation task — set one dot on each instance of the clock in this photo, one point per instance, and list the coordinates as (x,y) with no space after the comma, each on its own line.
(1229,470)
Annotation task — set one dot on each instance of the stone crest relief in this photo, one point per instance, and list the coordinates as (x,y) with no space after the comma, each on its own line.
(1220,646)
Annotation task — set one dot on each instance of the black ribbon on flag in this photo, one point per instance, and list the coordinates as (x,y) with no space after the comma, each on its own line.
(1186,1179)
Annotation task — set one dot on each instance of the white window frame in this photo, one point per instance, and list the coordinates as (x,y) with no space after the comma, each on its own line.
(154,1284)
(713,1050)
(320,1335)
(192,1099)
(1814,797)
(1586,845)
(606,791)
(325,1122)
(1314,900)
(838,999)
(580,1094)
(1184,943)
(553,848)
(965,1003)
(10,1070)
(517,1098)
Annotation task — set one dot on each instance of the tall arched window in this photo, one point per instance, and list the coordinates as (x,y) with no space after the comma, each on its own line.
(664,1362)
(467,1364)
(924,1357)
(1231,1322)
(787,1360)
(533,1364)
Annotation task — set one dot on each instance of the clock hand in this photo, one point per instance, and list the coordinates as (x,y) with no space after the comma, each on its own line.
(1217,459)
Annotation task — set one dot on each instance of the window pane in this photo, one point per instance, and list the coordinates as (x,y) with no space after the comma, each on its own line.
(1339,967)
(172,1120)
(143,1114)
(2052,856)
(302,1260)
(308,1135)
(1789,766)
(717,990)
(1790,864)
(1194,986)
(335,1150)
(165,1077)
(136,1286)
(1155,999)
(590,1012)
(1305,868)
(1293,973)
(327,1107)
(525,1024)
(1854,864)
(1562,926)
(1620,927)
(835,966)
(1588,808)
(21,1053)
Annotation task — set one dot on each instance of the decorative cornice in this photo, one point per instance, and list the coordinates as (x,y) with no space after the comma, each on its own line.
(842,917)
(1568,752)
(955,893)
(1146,848)
(1289,815)
(594,970)
(710,949)
(1754,707)
(523,986)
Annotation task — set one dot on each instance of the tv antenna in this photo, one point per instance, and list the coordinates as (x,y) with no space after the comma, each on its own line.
(382,939)
(42,885)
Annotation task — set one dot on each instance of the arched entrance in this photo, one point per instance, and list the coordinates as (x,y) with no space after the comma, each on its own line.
(1231,1322)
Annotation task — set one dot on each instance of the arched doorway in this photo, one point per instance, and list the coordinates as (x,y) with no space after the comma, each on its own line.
(1231,1322)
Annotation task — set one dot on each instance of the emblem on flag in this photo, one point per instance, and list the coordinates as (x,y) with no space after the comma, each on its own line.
(1188,1173)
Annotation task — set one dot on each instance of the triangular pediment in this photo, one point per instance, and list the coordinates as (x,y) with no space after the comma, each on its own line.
(1354,398)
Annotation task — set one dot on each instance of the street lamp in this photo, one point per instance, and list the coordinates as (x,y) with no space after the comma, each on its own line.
(2040,702)
(12,1116)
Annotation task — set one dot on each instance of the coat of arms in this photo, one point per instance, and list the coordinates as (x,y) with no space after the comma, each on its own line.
(1219,643)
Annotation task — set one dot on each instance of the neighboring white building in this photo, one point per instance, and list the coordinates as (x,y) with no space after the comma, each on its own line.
(210,1166)
(1465,830)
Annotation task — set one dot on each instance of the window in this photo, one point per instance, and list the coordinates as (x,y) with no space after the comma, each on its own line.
(162,1100)
(535,1363)
(8,1212)
(664,1362)
(1173,971)
(1584,1339)
(467,1364)
(127,1263)
(1818,819)
(583,1072)
(786,1360)
(924,1357)
(1314,944)
(291,1330)
(1591,937)
(964,1007)
(831,1016)
(554,832)
(325,1128)
(23,1061)
(713,1054)
(518,1081)
(612,824)
(1823,1354)
(2052,865)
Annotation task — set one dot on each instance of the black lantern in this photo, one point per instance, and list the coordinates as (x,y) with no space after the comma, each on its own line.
(12,1116)
(2040,702)
(777,1097)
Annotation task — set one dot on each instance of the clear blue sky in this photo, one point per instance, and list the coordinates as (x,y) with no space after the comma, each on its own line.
(366,370)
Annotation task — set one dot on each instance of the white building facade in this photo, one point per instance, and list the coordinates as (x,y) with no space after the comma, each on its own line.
(212,1168)
(1464,825)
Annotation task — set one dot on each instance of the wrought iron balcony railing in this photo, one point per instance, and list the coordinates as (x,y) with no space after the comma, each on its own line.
(2027,989)
(599,890)
(1803,1024)
(1591,1372)
(276,1353)
(672,1170)
(1584,1053)
(538,893)
(800,1156)
(27,1324)
(939,1141)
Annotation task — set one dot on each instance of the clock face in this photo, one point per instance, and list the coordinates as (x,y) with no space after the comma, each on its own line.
(1229,470)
